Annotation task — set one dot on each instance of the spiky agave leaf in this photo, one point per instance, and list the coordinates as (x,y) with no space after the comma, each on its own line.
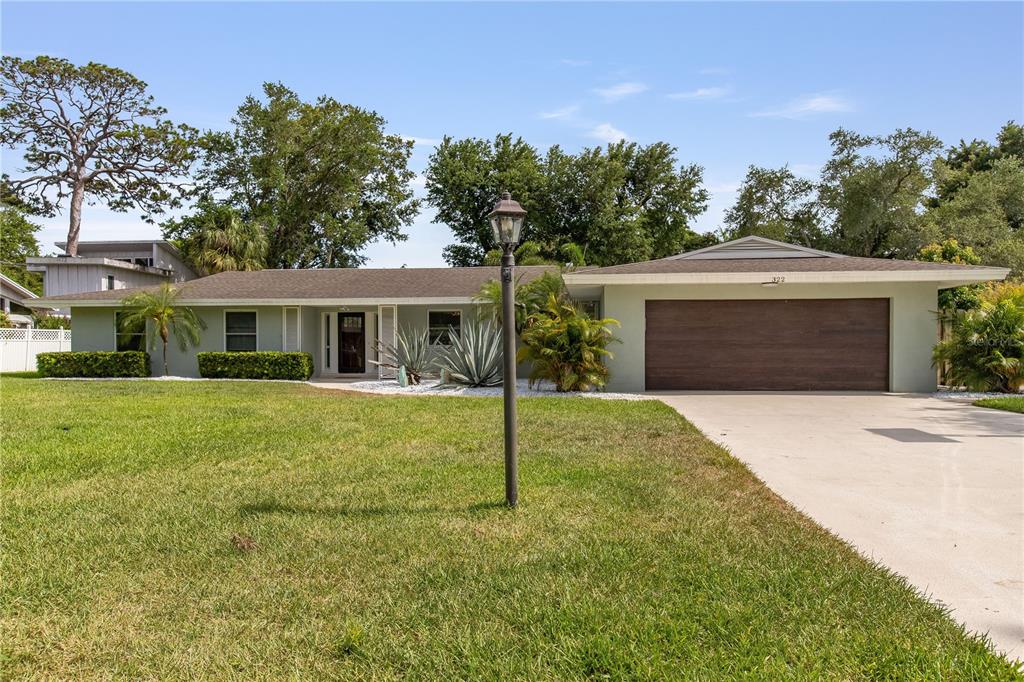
(474,357)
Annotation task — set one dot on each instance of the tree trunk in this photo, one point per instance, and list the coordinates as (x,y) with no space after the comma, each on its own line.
(77,198)
(164,338)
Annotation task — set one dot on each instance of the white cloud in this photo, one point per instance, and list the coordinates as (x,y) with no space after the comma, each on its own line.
(576,62)
(805,170)
(423,141)
(808,106)
(419,181)
(563,113)
(620,90)
(606,132)
(701,93)
(723,188)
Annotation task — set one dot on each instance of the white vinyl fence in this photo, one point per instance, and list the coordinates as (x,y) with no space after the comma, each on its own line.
(18,347)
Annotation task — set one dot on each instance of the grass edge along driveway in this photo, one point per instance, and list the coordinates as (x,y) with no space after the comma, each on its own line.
(1010,403)
(177,529)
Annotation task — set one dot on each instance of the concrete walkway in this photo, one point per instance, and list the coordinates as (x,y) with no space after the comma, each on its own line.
(933,489)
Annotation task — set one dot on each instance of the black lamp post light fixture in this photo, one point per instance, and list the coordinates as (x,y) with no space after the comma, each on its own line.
(506,223)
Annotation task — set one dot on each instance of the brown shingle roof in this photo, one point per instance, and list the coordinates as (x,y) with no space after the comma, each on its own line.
(340,283)
(674,265)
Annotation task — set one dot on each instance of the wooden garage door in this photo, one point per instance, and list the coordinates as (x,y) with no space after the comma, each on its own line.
(784,345)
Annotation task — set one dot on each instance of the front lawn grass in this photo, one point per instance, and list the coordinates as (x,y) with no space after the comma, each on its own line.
(251,530)
(1010,403)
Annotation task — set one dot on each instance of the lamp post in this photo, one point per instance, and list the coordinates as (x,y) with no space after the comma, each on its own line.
(506,222)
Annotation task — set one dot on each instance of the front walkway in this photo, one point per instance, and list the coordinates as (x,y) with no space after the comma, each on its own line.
(933,489)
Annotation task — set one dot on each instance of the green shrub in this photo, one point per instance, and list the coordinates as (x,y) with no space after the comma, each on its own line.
(985,350)
(474,357)
(567,347)
(93,364)
(259,365)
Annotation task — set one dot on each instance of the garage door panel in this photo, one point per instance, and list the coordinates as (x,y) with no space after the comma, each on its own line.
(799,344)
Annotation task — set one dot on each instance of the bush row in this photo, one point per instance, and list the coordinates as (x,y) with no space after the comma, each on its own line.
(93,364)
(259,365)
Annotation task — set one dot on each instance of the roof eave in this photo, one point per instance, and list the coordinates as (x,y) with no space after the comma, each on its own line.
(235,302)
(942,278)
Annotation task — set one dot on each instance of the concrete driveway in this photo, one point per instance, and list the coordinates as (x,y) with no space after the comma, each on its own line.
(933,489)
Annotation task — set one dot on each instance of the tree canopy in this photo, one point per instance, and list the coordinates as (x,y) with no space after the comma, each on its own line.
(18,242)
(322,179)
(892,195)
(617,204)
(90,133)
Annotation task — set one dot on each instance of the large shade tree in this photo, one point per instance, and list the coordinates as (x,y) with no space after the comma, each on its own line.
(90,133)
(873,189)
(621,203)
(776,203)
(17,242)
(322,179)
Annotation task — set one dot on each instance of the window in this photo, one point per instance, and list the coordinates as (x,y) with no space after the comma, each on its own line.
(132,337)
(441,324)
(110,282)
(590,308)
(240,330)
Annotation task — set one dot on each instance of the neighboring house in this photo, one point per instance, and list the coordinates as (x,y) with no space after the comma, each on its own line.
(12,301)
(748,314)
(110,265)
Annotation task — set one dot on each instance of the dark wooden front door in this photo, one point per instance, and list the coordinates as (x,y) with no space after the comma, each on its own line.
(352,343)
(781,345)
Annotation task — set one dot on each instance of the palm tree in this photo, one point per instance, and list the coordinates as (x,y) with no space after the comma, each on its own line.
(160,308)
(224,242)
(529,297)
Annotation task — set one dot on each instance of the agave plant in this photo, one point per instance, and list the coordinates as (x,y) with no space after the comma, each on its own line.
(567,347)
(411,350)
(474,357)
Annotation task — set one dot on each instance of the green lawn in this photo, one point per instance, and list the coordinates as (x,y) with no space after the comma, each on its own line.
(382,551)
(1010,403)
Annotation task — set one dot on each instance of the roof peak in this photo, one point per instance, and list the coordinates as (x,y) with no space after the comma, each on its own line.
(754,246)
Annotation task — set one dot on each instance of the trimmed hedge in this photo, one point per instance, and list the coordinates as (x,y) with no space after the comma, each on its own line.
(258,365)
(131,363)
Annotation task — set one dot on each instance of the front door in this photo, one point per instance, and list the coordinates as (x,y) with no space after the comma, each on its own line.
(352,343)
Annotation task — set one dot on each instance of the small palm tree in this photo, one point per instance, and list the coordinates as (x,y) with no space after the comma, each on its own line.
(160,308)
(529,298)
(225,243)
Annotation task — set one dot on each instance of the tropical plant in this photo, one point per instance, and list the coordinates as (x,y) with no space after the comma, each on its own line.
(985,350)
(474,357)
(160,308)
(567,347)
(411,350)
(44,321)
(5,320)
(529,297)
(218,240)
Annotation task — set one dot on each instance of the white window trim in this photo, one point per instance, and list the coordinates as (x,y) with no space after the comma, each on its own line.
(224,322)
(284,326)
(443,310)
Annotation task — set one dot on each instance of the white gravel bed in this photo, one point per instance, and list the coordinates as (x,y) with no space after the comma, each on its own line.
(968,395)
(433,387)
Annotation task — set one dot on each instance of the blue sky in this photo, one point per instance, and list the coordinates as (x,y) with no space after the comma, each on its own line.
(728,84)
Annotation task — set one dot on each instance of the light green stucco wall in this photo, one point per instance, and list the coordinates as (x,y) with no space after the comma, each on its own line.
(913,327)
(94,330)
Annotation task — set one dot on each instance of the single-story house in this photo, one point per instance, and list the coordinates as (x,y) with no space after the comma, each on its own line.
(750,314)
